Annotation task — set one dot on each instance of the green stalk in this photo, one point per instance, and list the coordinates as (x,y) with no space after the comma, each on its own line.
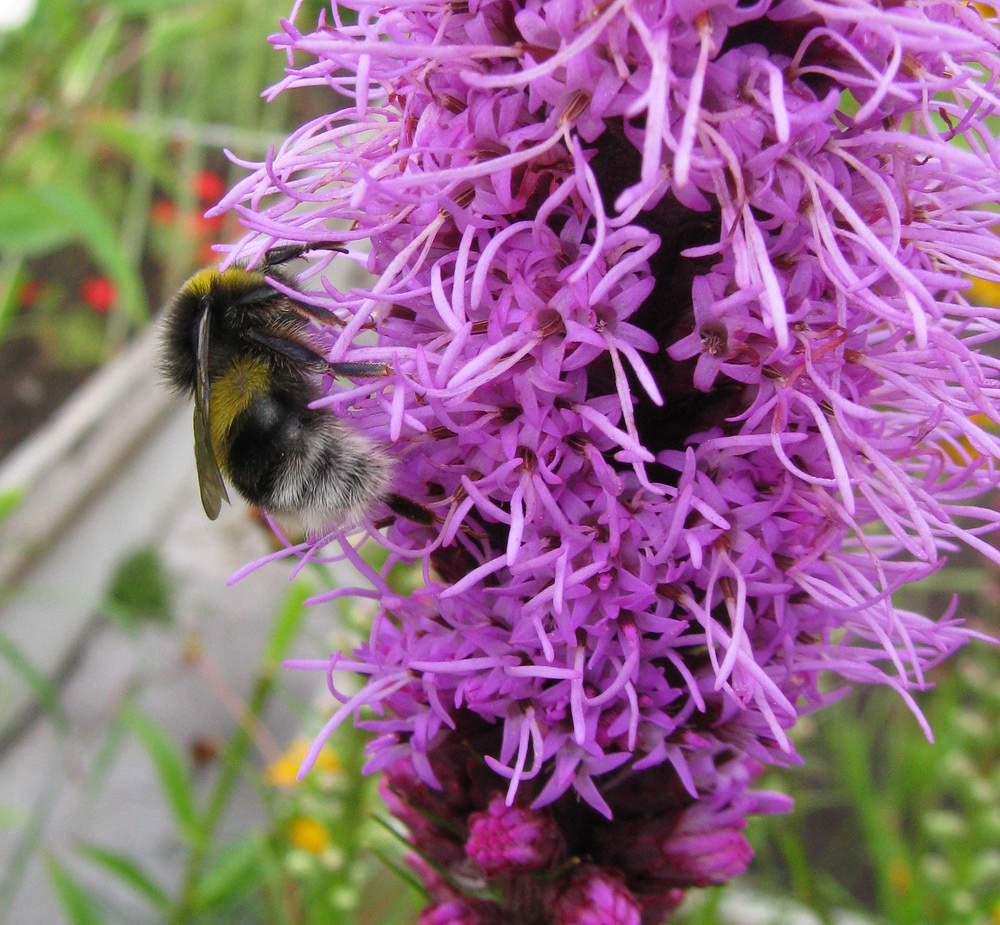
(135,225)
(877,819)
(282,635)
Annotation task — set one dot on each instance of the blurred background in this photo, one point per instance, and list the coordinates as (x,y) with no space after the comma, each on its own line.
(149,737)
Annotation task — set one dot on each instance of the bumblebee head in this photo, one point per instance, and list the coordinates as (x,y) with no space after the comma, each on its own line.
(241,302)
(226,294)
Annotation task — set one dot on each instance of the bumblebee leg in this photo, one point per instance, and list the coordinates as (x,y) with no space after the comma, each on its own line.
(279,255)
(358,370)
(311,360)
(322,315)
(404,507)
(261,295)
(290,349)
(418,514)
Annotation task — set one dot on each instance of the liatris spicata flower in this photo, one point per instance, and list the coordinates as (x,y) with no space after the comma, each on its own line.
(671,297)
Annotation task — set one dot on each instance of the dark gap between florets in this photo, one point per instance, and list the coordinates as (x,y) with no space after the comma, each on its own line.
(667,312)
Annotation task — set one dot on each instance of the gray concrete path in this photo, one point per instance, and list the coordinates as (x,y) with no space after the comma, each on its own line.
(52,777)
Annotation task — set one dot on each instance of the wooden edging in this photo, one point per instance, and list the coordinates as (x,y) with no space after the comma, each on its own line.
(50,477)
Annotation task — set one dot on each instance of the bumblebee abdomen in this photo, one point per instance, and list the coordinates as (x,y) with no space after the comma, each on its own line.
(288,458)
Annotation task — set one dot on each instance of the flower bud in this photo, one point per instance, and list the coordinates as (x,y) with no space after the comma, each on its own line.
(596,896)
(509,839)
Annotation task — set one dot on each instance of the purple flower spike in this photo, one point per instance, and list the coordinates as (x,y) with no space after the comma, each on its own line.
(449,913)
(672,301)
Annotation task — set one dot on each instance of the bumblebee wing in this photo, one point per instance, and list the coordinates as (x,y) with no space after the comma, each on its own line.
(213,489)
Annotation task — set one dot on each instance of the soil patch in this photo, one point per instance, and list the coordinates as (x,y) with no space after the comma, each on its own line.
(31,389)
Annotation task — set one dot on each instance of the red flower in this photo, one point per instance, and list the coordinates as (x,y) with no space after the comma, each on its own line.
(208,186)
(29,292)
(207,225)
(99,293)
(164,212)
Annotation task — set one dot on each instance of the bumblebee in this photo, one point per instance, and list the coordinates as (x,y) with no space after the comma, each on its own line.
(249,355)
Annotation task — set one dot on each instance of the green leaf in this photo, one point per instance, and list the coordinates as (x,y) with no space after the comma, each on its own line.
(88,58)
(236,872)
(10,287)
(77,903)
(139,592)
(136,143)
(22,848)
(126,871)
(145,7)
(29,226)
(170,769)
(40,686)
(10,501)
(288,622)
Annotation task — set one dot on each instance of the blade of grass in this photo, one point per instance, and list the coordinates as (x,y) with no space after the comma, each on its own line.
(171,772)
(277,900)
(135,221)
(128,872)
(237,871)
(10,279)
(442,872)
(287,626)
(145,7)
(10,500)
(404,874)
(851,754)
(78,905)
(89,58)
(42,689)
(17,861)
(705,907)
(798,869)
(102,764)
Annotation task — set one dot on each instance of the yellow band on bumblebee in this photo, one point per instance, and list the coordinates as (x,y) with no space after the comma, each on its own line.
(204,280)
(244,380)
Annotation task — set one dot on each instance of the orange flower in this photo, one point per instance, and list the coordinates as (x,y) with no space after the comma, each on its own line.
(308,835)
(964,451)
(284,771)
(984,292)
(900,876)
